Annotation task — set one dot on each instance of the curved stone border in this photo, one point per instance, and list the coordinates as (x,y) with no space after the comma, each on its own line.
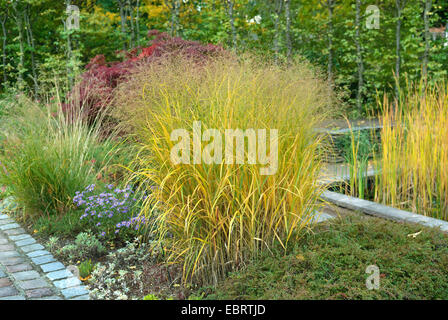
(28,271)
(382,211)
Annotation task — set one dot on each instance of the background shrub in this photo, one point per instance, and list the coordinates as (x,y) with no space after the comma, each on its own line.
(96,89)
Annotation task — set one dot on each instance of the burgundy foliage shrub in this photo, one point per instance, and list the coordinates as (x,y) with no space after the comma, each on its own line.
(95,91)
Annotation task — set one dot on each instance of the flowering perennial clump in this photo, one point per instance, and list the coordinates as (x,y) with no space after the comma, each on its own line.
(110,211)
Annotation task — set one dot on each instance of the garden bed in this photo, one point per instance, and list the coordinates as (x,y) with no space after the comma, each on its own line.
(112,270)
(121,180)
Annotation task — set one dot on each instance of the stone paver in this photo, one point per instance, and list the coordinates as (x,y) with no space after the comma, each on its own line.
(29,272)
(67,283)
(26,275)
(53,298)
(61,274)
(25,242)
(32,247)
(19,267)
(15,232)
(53,266)
(8,291)
(9,226)
(6,247)
(5,282)
(39,293)
(37,253)
(84,297)
(33,284)
(74,292)
(43,259)
(5,255)
(13,261)
(20,237)
(13,298)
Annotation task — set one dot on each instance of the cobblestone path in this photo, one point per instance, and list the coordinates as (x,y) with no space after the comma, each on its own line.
(29,272)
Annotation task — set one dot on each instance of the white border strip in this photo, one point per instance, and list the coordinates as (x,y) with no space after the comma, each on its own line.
(382,211)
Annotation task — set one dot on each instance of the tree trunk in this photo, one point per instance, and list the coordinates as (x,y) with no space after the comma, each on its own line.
(131,15)
(330,5)
(232,22)
(277,11)
(21,66)
(137,23)
(70,78)
(3,23)
(399,6)
(31,44)
(359,55)
(177,15)
(288,29)
(123,22)
(174,7)
(428,4)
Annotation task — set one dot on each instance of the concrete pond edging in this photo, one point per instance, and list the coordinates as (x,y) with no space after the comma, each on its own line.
(382,211)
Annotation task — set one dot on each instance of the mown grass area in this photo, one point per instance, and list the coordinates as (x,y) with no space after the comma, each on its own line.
(330,263)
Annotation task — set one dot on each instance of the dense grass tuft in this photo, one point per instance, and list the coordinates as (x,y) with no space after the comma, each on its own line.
(215,216)
(413,161)
(46,158)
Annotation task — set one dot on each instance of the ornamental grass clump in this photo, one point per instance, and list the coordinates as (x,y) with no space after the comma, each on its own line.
(215,216)
(47,157)
(414,155)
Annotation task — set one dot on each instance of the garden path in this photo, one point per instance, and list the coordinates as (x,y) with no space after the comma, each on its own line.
(29,272)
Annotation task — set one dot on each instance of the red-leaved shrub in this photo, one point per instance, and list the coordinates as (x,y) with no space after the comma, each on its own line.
(95,90)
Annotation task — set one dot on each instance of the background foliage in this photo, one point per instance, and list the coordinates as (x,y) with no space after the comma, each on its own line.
(36,46)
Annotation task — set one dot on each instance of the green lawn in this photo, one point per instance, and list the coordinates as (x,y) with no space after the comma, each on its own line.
(331,262)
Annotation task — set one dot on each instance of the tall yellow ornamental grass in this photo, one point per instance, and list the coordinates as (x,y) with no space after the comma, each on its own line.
(414,157)
(215,216)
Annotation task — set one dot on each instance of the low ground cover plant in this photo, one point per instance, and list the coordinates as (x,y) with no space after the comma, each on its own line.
(331,262)
(134,271)
(86,245)
(213,217)
(85,269)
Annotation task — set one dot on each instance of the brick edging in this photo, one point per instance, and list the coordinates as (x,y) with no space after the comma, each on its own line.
(22,247)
